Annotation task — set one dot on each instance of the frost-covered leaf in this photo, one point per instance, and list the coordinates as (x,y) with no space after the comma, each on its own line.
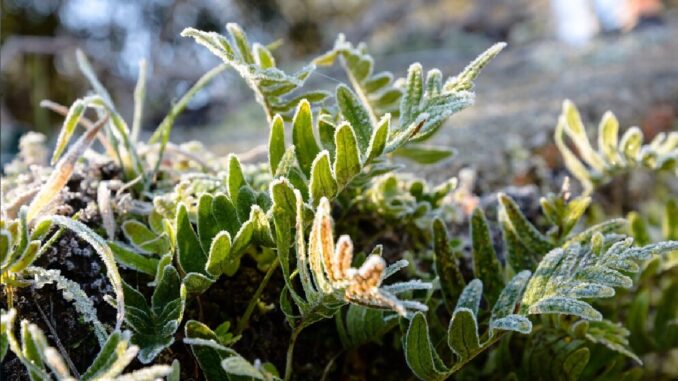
(356,115)
(273,88)
(566,275)
(425,154)
(155,323)
(323,183)
(447,269)
(305,145)
(420,353)
(614,155)
(347,159)
(486,266)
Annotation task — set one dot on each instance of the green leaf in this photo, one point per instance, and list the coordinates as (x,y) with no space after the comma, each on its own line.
(638,228)
(154,325)
(240,39)
(512,322)
(347,162)
(665,327)
(145,240)
(326,131)
(303,139)
(322,180)
(225,214)
(205,347)
(107,356)
(464,80)
(220,261)
(207,224)
(517,255)
(71,120)
(522,228)
(247,199)
(276,144)
(462,334)
(379,139)
(411,99)
(576,130)
(236,178)
(129,258)
(356,114)
(510,296)
(29,255)
(420,354)
(191,256)
(608,135)
(284,200)
(451,280)
(470,296)
(31,351)
(424,154)
(612,335)
(362,325)
(197,283)
(565,276)
(242,238)
(486,266)
(670,220)
(238,366)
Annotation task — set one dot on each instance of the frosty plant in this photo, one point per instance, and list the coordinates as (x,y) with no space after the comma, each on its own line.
(189,235)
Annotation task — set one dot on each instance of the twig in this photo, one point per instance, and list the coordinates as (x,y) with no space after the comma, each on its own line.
(60,346)
(257,294)
(328,367)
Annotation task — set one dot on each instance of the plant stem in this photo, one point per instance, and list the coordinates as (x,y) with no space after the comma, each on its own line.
(290,351)
(257,294)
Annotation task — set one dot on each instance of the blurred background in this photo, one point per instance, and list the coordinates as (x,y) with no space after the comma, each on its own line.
(602,54)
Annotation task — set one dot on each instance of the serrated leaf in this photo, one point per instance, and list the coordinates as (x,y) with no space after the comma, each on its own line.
(451,280)
(510,296)
(528,235)
(486,266)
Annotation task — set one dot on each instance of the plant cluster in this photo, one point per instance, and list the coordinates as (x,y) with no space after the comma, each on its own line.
(524,299)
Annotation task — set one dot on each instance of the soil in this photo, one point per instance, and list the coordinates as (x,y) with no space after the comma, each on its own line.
(78,262)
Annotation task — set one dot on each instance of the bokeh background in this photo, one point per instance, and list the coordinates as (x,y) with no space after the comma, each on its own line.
(603,54)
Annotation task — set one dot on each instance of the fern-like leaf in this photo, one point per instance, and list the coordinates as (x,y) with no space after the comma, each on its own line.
(255,64)
(614,155)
